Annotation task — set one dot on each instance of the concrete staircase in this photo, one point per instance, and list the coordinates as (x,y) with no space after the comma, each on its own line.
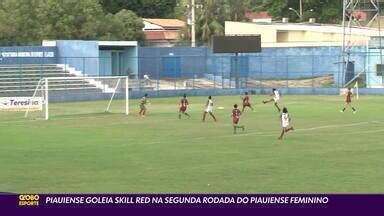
(22,80)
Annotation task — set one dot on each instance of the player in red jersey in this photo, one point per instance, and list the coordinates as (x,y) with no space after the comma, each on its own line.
(348,101)
(236,118)
(183,106)
(246,102)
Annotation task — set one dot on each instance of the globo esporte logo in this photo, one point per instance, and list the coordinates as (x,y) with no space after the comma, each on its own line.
(29,200)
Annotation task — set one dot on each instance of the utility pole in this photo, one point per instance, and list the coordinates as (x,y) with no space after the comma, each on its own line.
(301,10)
(193,34)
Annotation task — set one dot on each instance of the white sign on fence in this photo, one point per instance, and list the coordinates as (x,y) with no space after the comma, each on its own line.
(21,103)
(48,54)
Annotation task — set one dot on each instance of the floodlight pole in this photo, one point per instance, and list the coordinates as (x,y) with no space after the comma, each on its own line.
(350,21)
(193,31)
(297,13)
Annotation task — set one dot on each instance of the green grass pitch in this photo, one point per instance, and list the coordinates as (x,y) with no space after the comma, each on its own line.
(329,152)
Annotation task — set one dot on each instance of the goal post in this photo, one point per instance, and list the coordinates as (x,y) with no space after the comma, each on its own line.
(81,96)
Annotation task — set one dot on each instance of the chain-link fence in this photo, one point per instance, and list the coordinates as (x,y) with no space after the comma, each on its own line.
(258,71)
(209,71)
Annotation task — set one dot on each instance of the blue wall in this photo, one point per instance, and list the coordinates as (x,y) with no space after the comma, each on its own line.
(373,58)
(82,55)
(105,67)
(192,60)
(187,62)
(127,61)
(271,63)
(46,58)
(131,64)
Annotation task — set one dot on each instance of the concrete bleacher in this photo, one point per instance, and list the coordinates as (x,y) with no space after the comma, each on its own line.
(22,80)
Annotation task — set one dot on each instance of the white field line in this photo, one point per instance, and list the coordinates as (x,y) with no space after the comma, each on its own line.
(251,133)
(276,133)
(354,132)
(334,126)
(59,118)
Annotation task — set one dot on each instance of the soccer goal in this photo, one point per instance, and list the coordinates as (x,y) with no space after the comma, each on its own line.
(81,96)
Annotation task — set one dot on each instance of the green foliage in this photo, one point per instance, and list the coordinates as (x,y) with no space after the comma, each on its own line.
(237,10)
(128,21)
(211,18)
(30,21)
(210,21)
(143,8)
(18,21)
(325,11)
(69,19)
(330,12)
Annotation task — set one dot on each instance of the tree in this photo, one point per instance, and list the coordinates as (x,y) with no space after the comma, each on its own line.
(325,11)
(278,9)
(126,20)
(237,10)
(212,16)
(330,11)
(30,21)
(254,5)
(210,20)
(69,19)
(18,23)
(143,8)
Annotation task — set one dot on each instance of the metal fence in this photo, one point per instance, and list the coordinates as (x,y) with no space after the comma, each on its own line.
(174,72)
(257,71)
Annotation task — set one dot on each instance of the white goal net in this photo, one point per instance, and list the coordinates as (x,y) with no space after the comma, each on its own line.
(81,96)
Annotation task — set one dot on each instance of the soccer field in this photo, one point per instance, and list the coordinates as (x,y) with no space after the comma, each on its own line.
(329,151)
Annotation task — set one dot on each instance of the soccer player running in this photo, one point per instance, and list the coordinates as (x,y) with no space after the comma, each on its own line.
(246,102)
(285,120)
(209,109)
(276,98)
(143,108)
(236,118)
(183,106)
(348,101)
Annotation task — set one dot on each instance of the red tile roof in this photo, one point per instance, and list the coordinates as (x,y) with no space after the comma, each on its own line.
(161,35)
(360,15)
(166,23)
(257,15)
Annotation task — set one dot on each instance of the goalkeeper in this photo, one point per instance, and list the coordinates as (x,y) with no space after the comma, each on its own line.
(143,108)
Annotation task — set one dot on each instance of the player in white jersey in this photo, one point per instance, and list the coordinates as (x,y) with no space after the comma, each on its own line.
(275,99)
(285,120)
(209,109)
